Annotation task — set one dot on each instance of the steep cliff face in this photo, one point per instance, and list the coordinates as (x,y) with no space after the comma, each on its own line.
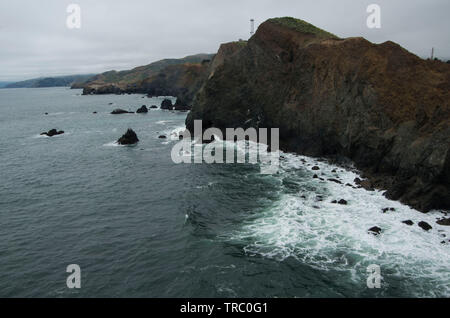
(379,105)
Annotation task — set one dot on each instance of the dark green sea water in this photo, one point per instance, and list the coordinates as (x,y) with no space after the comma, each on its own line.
(141,226)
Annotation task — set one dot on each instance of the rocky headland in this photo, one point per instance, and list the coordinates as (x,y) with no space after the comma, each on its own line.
(377,104)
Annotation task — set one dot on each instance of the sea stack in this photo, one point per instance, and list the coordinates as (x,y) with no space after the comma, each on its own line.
(167,104)
(129,138)
(142,110)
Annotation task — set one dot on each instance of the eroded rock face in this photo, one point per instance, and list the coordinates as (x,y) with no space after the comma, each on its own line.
(129,138)
(379,105)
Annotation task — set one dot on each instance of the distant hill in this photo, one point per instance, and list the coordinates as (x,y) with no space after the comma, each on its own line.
(57,81)
(181,78)
(134,76)
(3,84)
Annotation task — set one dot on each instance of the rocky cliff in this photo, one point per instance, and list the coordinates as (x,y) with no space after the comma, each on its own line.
(377,104)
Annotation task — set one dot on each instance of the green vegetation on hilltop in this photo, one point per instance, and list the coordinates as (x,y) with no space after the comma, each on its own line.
(302,26)
(142,72)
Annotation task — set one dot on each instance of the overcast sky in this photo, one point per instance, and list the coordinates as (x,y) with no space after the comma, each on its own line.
(119,34)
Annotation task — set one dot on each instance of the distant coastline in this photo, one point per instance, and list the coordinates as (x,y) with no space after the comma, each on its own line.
(57,81)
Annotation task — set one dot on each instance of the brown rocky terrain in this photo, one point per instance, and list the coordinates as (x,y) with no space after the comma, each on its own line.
(171,77)
(377,104)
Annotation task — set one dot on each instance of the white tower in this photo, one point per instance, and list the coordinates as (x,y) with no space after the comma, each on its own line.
(252,27)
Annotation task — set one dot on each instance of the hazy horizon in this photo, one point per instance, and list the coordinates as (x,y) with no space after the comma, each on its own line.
(116,35)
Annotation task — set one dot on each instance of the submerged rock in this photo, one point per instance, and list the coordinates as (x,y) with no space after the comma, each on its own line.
(119,111)
(153,107)
(52,132)
(142,110)
(425,226)
(375,230)
(129,138)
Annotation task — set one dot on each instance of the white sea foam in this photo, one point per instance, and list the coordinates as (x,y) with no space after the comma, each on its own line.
(113,144)
(330,236)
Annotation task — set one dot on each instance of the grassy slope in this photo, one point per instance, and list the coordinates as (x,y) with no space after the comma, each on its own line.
(143,72)
(302,26)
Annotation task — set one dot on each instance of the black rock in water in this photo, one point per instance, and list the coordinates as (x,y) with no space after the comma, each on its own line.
(315,168)
(119,111)
(162,137)
(52,132)
(167,104)
(408,222)
(342,202)
(335,180)
(445,222)
(129,138)
(425,226)
(375,230)
(142,110)
(153,107)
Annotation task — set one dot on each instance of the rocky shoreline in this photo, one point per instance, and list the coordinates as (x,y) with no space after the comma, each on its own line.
(380,106)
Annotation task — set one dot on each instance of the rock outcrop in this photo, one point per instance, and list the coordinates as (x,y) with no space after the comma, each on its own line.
(142,110)
(167,104)
(120,111)
(375,230)
(52,132)
(377,104)
(129,138)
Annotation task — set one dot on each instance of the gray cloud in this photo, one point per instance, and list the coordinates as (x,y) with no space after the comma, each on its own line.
(119,34)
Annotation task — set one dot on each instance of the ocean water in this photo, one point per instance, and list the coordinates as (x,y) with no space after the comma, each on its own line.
(139,225)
